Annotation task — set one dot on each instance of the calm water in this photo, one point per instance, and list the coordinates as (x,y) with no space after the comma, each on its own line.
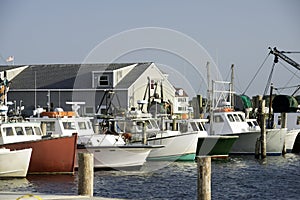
(240,177)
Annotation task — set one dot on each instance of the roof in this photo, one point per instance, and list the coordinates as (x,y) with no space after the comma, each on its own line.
(63,76)
(133,75)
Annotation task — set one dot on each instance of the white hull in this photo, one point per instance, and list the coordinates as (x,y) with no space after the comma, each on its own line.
(175,146)
(117,157)
(14,163)
(290,139)
(246,142)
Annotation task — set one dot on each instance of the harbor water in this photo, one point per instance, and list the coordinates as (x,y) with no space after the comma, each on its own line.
(239,177)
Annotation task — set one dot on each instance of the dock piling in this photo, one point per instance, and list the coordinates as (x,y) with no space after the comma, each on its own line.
(263,136)
(86,174)
(204,177)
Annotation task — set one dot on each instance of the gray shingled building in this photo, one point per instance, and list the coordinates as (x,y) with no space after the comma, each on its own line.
(52,85)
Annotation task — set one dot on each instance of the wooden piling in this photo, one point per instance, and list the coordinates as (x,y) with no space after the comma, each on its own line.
(204,177)
(257,147)
(263,136)
(85,174)
(283,125)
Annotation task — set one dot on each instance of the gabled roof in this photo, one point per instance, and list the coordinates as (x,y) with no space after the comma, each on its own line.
(133,75)
(63,76)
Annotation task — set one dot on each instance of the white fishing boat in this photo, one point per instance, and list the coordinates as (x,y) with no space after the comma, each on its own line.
(177,145)
(227,122)
(182,139)
(293,128)
(110,150)
(14,163)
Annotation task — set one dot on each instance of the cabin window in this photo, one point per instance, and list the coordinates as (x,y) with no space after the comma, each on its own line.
(69,125)
(103,80)
(183,127)
(241,118)
(8,131)
(37,131)
(230,117)
(19,131)
(50,126)
(81,125)
(250,124)
(194,126)
(154,124)
(298,120)
(201,127)
(29,131)
(89,125)
(237,119)
(218,119)
(279,120)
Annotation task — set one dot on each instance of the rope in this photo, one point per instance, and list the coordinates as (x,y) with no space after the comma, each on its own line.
(256,73)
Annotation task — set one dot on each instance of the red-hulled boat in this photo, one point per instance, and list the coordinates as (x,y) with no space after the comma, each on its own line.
(50,155)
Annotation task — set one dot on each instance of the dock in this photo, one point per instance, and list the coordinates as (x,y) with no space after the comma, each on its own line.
(42,196)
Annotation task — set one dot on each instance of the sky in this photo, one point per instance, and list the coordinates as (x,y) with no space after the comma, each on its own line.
(179,36)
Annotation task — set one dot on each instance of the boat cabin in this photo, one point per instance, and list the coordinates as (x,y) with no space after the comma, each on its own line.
(64,125)
(19,132)
(229,123)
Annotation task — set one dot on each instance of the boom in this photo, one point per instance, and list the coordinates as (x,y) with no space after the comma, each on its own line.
(280,54)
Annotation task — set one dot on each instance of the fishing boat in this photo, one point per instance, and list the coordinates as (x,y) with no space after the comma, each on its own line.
(224,120)
(293,125)
(182,139)
(109,149)
(49,154)
(14,163)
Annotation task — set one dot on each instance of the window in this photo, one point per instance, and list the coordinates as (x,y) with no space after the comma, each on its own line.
(230,117)
(8,130)
(181,108)
(81,125)
(279,120)
(37,131)
(183,127)
(89,125)
(194,126)
(298,120)
(241,118)
(181,99)
(237,119)
(200,125)
(69,125)
(50,126)
(89,110)
(19,131)
(29,131)
(103,80)
(218,119)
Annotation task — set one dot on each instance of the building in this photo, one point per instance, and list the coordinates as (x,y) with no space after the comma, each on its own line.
(115,86)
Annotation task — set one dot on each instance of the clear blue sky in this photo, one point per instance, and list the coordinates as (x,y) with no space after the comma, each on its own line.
(232,32)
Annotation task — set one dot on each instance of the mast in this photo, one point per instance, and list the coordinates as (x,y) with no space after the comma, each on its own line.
(232,87)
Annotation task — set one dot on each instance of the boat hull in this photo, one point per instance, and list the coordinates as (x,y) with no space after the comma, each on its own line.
(49,155)
(181,147)
(246,142)
(14,163)
(117,157)
(290,139)
(215,146)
